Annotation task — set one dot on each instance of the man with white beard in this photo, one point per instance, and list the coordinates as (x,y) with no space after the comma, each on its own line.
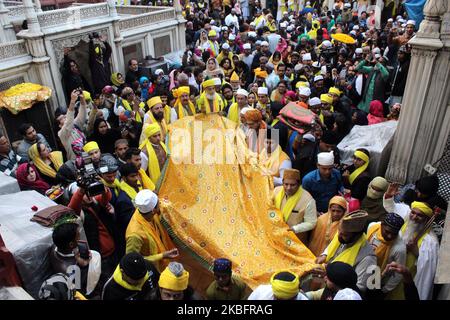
(421,243)
(209,100)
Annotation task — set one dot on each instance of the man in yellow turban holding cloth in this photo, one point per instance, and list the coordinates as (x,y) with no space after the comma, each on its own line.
(297,206)
(421,243)
(183,106)
(209,100)
(155,150)
(284,285)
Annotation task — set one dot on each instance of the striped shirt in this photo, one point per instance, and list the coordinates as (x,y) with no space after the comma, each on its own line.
(9,164)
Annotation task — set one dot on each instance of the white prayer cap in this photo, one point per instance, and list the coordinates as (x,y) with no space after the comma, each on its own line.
(323,70)
(411,22)
(247,46)
(390,20)
(297,68)
(325,158)
(283,25)
(251,34)
(244,110)
(398,18)
(304,91)
(376,50)
(314,101)
(253,23)
(308,3)
(265,43)
(263,90)
(377,56)
(309,137)
(212,22)
(290,28)
(401,21)
(316,64)
(217,82)
(353,32)
(355,27)
(159,71)
(347,5)
(224,28)
(327,44)
(306,57)
(145,201)
(318,78)
(226,46)
(258,42)
(232,37)
(403,25)
(347,294)
(359,51)
(285,13)
(242,92)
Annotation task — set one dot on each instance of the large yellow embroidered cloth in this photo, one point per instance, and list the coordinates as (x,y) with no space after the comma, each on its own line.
(224,210)
(23,96)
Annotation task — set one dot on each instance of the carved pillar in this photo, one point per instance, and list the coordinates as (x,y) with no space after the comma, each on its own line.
(117,35)
(6,29)
(425,100)
(181,29)
(37,3)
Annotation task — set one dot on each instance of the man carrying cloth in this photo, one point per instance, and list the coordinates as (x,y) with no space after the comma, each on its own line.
(297,206)
(236,108)
(146,235)
(209,100)
(155,150)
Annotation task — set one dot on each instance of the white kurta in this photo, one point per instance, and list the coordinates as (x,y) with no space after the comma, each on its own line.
(264,292)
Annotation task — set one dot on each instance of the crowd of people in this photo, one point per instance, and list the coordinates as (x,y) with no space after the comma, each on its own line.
(244,63)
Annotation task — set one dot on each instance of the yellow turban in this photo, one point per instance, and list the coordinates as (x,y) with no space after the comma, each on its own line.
(208,83)
(423,207)
(179,91)
(261,74)
(169,281)
(326,98)
(87,96)
(302,84)
(234,76)
(284,289)
(91,146)
(212,33)
(152,129)
(154,101)
(335,91)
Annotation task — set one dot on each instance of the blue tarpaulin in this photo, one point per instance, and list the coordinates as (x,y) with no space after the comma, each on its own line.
(414,8)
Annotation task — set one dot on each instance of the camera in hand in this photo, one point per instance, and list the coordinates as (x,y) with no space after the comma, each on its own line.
(87,176)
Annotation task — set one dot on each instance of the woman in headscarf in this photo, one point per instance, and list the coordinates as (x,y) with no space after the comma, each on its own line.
(118,82)
(376,112)
(213,69)
(275,60)
(357,177)
(47,163)
(29,179)
(327,225)
(202,42)
(104,136)
(278,94)
(173,79)
(251,99)
(145,87)
(227,68)
(289,96)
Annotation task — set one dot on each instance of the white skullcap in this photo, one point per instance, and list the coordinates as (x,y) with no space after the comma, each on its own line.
(327,44)
(298,67)
(247,46)
(217,82)
(242,92)
(403,25)
(212,22)
(398,18)
(316,64)
(377,56)
(265,43)
(231,37)
(411,22)
(224,28)
(253,23)
(390,20)
(347,294)
(263,90)
(290,28)
(323,70)
(258,42)
(244,110)
(306,57)
(314,101)
(356,27)
(159,71)
(145,201)
(318,78)
(308,3)
(347,5)
(284,24)
(325,158)
(226,46)
(309,137)
(251,34)
(353,32)
(359,50)
(304,91)
(376,50)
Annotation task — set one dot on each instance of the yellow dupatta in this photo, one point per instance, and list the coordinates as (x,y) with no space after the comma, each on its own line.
(291,202)
(233,113)
(180,109)
(358,171)
(156,231)
(212,47)
(383,250)
(153,164)
(147,183)
(162,124)
(115,186)
(129,190)
(55,156)
(348,255)
(119,280)
(276,156)
(127,106)
(167,111)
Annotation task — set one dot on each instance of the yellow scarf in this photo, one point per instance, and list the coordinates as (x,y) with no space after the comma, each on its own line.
(276,155)
(167,111)
(129,190)
(55,156)
(233,113)
(361,169)
(291,202)
(217,106)
(147,183)
(321,114)
(213,48)
(410,258)
(119,280)
(115,186)
(348,255)
(155,231)
(153,164)
(180,108)
(384,248)
(127,106)
(162,124)
(275,121)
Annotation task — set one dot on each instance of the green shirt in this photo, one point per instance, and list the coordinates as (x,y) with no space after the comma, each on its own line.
(237,291)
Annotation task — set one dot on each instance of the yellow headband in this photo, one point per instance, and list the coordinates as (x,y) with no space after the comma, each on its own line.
(335,91)
(302,84)
(152,129)
(208,83)
(361,155)
(153,101)
(167,280)
(423,207)
(326,98)
(91,146)
(283,289)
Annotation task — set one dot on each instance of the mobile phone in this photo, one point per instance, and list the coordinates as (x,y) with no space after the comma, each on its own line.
(83,249)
